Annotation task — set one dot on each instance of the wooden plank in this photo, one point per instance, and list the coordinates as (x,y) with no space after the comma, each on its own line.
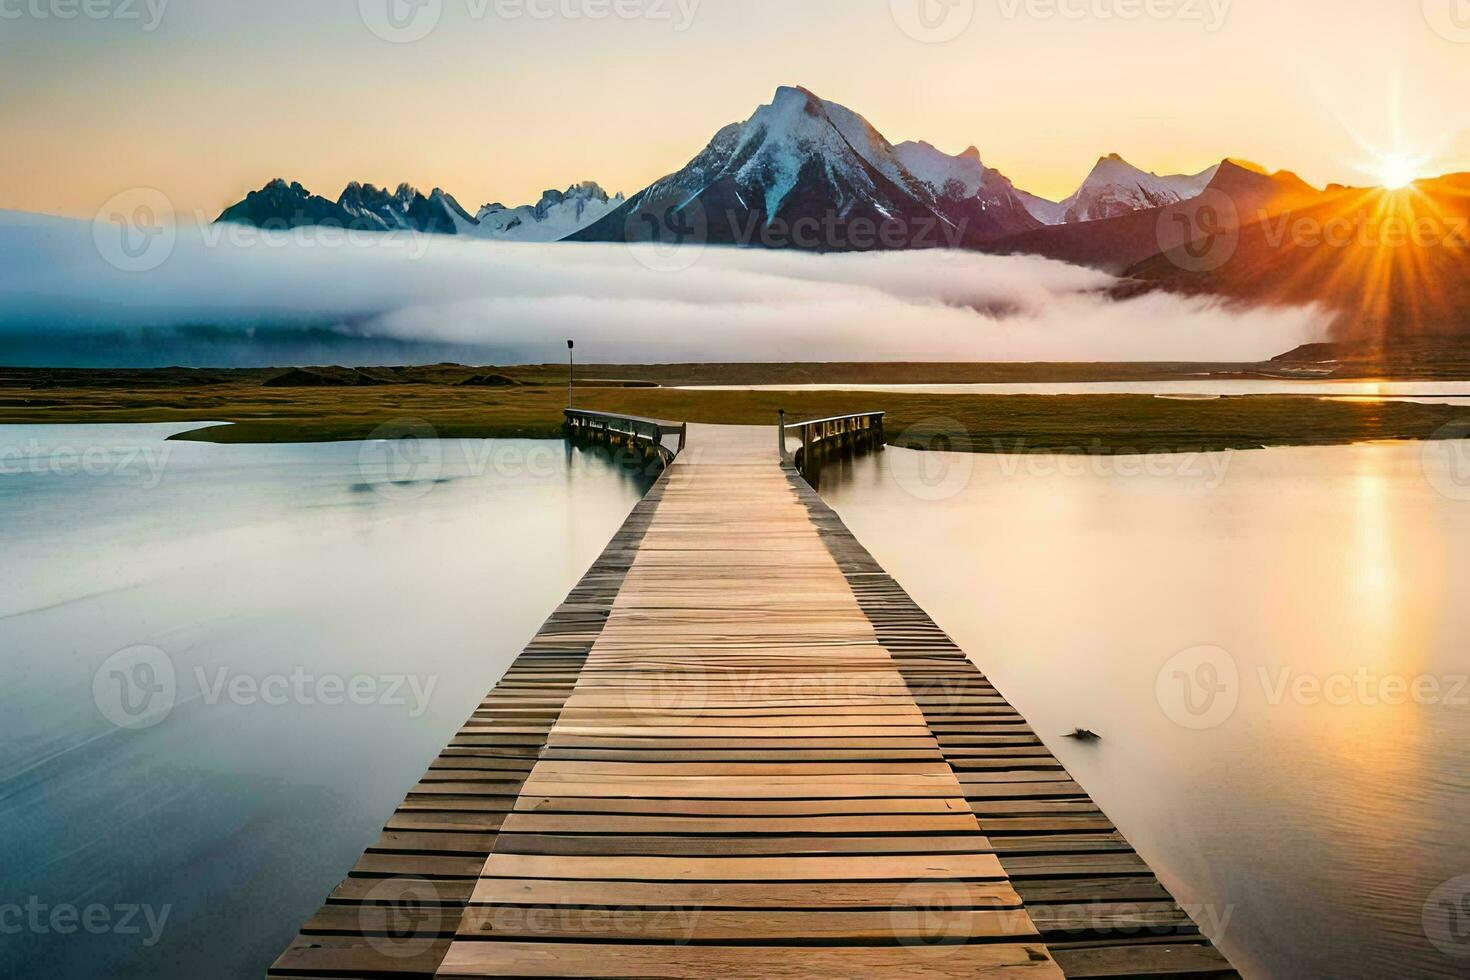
(846,868)
(939,893)
(1003,962)
(706,925)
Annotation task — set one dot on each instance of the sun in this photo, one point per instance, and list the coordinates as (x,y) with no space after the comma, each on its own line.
(1395,171)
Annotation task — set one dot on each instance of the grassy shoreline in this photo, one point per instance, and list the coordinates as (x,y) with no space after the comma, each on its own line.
(1088,424)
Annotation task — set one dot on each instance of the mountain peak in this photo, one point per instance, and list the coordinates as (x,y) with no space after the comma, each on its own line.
(1243,164)
(800,161)
(793,94)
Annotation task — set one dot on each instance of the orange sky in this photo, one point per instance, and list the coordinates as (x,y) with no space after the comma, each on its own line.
(500,99)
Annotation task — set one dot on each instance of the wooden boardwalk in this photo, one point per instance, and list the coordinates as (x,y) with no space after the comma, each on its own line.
(739,750)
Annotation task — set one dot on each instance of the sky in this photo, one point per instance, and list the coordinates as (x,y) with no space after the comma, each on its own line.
(498,100)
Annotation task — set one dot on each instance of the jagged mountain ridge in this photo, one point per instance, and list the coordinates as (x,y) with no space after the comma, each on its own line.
(1236,195)
(365,207)
(803,172)
(800,172)
(556,215)
(1116,187)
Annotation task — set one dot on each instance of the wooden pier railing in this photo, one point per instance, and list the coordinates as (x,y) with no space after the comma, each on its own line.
(642,434)
(820,438)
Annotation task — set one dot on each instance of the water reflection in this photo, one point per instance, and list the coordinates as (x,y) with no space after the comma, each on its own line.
(328,621)
(1428,392)
(1327,797)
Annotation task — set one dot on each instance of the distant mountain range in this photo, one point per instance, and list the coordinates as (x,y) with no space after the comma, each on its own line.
(1392,266)
(1116,187)
(364,207)
(806,173)
(797,164)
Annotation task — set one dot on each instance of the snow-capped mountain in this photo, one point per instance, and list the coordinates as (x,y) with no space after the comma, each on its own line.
(801,172)
(968,192)
(361,207)
(365,207)
(1116,187)
(1114,244)
(557,215)
(405,209)
(804,172)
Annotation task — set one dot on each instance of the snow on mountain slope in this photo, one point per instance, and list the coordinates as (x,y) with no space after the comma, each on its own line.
(557,215)
(975,197)
(801,162)
(365,207)
(1116,187)
(798,129)
(1047,212)
(946,176)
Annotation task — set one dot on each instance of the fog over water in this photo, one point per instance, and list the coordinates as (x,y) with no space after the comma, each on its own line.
(77,294)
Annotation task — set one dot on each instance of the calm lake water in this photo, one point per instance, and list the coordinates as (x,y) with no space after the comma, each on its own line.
(1432,392)
(1272,644)
(178,622)
(224,666)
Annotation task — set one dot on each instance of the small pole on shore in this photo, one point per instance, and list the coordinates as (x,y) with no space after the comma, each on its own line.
(571,369)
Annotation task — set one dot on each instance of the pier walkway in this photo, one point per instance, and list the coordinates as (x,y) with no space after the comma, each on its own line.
(739,750)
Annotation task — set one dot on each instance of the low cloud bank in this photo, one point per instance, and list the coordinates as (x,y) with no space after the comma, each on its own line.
(70,296)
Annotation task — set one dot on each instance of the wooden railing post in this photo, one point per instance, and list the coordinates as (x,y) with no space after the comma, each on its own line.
(781,435)
(643,437)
